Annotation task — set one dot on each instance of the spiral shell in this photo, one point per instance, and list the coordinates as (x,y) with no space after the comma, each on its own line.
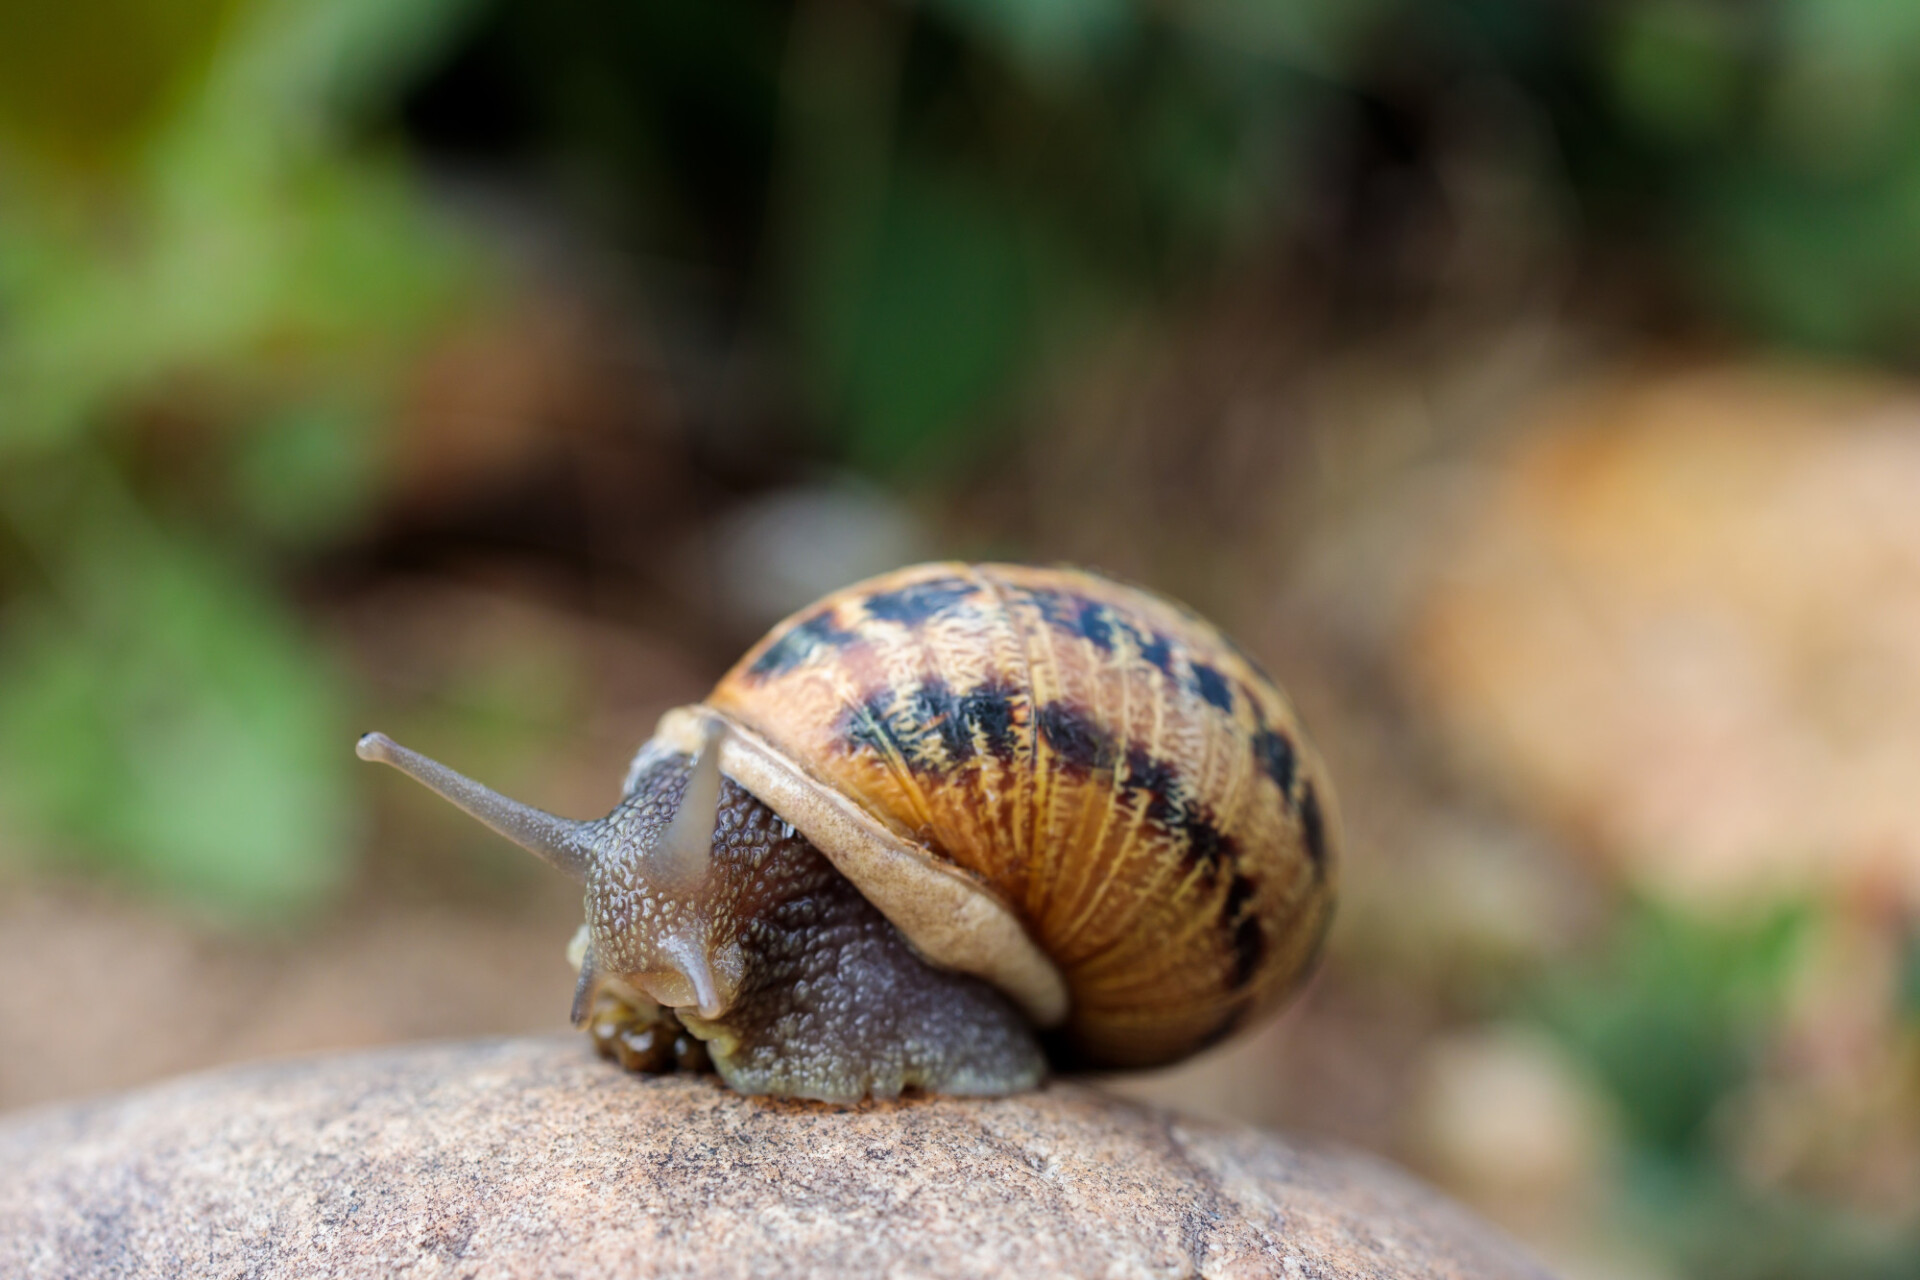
(1099,762)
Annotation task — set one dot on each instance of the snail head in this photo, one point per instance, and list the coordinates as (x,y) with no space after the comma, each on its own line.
(657,902)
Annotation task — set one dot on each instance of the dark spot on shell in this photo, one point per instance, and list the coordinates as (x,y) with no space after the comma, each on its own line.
(1314,827)
(1145,772)
(1076,739)
(1095,626)
(920,730)
(1169,807)
(1206,845)
(1101,625)
(1249,949)
(933,709)
(870,725)
(1077,616)
(993,709)
(1155,779)
(1274,751)
(1058,608)
(913,605)
(1248,938)
(930,728)
(1239,892)
(1155,649)
(800,644)
(1212,686)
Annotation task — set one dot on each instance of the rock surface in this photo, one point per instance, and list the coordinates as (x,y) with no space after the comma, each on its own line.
(533,1158)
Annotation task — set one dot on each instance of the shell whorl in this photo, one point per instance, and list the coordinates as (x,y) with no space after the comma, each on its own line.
(1100,761)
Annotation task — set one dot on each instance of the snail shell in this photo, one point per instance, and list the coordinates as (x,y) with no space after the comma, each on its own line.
(1068,786)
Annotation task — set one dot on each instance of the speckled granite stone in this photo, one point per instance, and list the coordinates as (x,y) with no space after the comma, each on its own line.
(533,1158)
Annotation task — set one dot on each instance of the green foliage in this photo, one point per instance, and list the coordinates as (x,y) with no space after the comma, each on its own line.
(1910,979)
(81,83)
(1716,1229)
(1052,37)
(1033,171)
(923,204)
(919,326)
(163,716)
(1675,68)
(1672,1018)
(1778,144)
(200,245)
(306,470)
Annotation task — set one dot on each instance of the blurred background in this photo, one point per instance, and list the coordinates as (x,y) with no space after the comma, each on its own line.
(1527,385)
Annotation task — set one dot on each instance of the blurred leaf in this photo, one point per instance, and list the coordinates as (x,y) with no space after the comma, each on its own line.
(1827,264)
(920,328)
(1838,89)
(1051,36)
(161,714)
(1675,67)
(1210,147)
(325,265)
(307,471)
(79,83)
(1844,75)
(1670,1018)
(1714,1228)
(1909,990)
(314,63)
(248,238)
(1326,40)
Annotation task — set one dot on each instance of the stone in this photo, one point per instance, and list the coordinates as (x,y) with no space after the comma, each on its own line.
(533,1158)
(1675,623)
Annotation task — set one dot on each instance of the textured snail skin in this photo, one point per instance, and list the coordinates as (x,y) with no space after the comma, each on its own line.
(822,996)
(1105,763)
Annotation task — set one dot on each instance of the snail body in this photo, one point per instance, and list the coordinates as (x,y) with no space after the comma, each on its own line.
(938,818)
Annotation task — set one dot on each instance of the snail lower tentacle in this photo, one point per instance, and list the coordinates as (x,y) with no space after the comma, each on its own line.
(627,1028)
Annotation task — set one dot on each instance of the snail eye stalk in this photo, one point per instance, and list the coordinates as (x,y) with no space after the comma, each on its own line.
(684,854)
(563,842)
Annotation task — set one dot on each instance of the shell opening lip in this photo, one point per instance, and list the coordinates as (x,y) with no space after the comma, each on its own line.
(949,918)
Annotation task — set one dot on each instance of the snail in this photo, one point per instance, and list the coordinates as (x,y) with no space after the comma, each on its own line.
(940,829)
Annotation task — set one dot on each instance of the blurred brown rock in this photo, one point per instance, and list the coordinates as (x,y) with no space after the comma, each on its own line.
(1682,623)
(532,1158)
